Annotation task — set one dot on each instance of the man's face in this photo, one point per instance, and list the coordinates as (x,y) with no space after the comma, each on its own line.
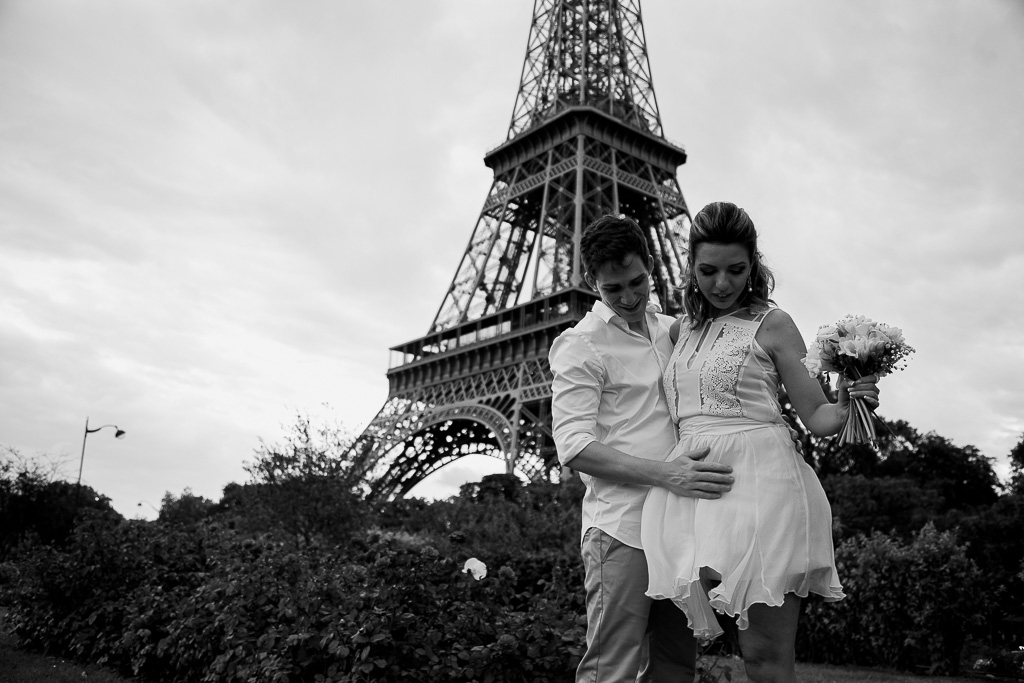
(624,287)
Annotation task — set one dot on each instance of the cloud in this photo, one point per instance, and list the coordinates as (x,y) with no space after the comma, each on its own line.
(215,214)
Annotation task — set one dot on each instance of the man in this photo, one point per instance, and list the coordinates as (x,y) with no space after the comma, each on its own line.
(612,425)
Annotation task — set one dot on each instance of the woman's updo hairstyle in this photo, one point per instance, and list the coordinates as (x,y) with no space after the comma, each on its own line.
(726,223)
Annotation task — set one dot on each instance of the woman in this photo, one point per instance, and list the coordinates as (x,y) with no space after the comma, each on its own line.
(756,551)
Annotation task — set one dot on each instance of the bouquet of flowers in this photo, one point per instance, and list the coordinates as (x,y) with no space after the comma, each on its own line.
(854,347)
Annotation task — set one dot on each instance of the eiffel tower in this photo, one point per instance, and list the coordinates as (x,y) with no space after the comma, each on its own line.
(585,140)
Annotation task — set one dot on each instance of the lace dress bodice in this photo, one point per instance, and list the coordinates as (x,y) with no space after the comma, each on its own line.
(719,369)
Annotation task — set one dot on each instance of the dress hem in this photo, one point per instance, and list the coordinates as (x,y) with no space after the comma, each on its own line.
(705,624)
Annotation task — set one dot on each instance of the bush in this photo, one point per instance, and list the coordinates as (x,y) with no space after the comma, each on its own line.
(94,598)
(909,605)
(35,507)
(496,520)
(204,596)
(993,541)
(213,605)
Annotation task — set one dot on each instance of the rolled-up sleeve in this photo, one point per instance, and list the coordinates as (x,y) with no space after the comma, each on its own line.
(575,394)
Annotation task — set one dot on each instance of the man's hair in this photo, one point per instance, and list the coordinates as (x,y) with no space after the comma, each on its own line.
(611,238)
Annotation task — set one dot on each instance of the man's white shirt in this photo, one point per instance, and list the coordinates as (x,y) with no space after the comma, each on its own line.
(608,388)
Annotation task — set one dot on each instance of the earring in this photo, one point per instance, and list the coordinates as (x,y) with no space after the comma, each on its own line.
(750,287)
(695,284)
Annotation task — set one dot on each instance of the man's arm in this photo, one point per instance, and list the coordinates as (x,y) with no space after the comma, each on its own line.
(576,399)
(684,474)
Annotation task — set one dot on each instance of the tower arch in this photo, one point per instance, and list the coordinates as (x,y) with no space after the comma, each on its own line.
(585,139)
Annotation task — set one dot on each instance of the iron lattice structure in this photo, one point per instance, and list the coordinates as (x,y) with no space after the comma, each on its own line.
(585,140)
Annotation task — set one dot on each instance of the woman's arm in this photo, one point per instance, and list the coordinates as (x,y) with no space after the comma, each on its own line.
(779,336)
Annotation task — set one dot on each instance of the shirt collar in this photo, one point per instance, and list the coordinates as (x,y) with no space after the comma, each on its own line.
(608,314)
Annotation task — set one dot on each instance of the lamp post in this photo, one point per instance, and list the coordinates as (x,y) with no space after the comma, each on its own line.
(153,507)
(118,434)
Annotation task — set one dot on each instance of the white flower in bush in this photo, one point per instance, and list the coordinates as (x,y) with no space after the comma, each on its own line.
(475,567)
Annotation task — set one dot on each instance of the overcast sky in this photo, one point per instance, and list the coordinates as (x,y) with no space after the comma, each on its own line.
(216,214)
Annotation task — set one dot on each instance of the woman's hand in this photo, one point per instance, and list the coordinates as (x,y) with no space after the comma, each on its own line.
(865,388)
(779,336)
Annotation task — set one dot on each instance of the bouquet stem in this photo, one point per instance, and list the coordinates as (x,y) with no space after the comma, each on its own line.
(860,425)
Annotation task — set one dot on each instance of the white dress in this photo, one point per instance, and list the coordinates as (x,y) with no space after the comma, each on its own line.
(772,533)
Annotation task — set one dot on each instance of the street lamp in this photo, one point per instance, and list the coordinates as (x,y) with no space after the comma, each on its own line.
(118,434)
(139,504)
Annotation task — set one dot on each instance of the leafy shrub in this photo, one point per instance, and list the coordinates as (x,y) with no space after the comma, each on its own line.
(205,595)
(35,506)
(93,598)
(909,605)
(993,539)
(214,605)
(496,519)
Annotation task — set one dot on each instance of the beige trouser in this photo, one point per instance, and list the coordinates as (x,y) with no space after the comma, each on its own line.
(630,637)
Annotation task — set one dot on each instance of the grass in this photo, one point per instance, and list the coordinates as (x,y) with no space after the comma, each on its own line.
(20,666)
(823,673)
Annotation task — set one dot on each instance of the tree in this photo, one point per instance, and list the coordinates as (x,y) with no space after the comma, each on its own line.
(894,505)
(185,510)
(491,486)
(1017,468)
(309,487)
(963,477)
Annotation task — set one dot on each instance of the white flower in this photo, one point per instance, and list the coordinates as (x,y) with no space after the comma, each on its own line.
(475,567)
(812,361)
(853,346)
(893,334)
(828,333)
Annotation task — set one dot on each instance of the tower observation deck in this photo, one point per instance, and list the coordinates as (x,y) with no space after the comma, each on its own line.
(585,140)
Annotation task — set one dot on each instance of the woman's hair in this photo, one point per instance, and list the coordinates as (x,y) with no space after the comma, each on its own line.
(612,238)
(725,223)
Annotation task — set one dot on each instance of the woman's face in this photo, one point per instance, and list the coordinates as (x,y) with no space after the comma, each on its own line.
(721,271)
